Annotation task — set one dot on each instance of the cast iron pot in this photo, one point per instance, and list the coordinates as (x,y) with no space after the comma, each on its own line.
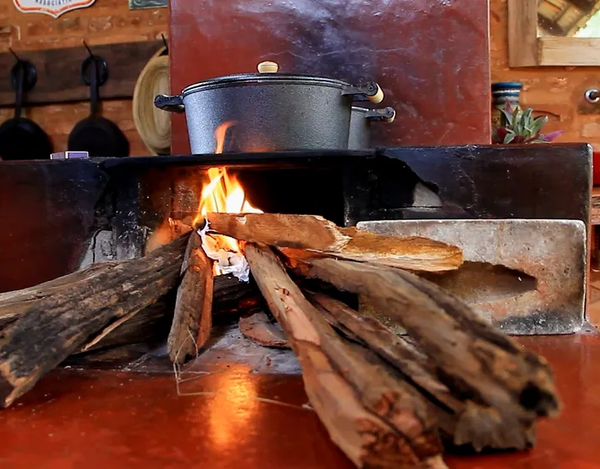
(269,111)
(360,123)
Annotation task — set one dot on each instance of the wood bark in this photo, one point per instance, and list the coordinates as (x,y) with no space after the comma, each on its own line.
(316,234)
(258,328)
(471,358)
(463,422)
(192,320)
(57,318)
(229,296)
(151,323)
(370,413)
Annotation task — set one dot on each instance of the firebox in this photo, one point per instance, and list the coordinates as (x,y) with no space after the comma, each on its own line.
(58,216)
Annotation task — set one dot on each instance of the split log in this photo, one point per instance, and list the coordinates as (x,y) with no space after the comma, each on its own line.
(474,361)
(259,329)
(316,234)
(61,315)
(371,414)
(230,295)
(462,422)
(192,320)
(151,323)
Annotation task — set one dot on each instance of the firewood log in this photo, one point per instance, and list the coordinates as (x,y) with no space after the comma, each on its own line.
(57,318)
(370,413)
(230,296)
(316,234)
(258,328)
(150,324)
(472,359)
(462,422)
(192,320)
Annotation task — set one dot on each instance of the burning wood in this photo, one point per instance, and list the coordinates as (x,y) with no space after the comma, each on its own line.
(320,236)
(385,400)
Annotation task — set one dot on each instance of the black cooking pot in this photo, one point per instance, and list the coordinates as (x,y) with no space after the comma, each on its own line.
(360,124)
(269,111)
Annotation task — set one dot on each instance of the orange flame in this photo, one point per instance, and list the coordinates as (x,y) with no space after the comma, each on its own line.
(223,193)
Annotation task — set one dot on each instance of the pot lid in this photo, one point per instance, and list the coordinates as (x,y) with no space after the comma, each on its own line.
(268,73)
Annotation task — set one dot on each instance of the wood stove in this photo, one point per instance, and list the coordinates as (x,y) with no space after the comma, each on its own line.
(54,212)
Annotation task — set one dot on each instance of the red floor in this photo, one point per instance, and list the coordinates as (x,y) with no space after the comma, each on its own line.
(103,419)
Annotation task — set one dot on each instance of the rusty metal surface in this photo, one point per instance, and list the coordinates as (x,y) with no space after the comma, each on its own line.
(524,276)
(431,57)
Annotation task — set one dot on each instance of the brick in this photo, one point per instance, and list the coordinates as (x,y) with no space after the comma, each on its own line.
(524,276)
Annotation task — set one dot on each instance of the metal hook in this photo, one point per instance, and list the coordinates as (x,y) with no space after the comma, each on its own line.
(15,54)
(88,49)
(592,96)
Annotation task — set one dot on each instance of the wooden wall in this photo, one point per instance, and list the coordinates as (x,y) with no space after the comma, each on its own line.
(107,21)
(555,91)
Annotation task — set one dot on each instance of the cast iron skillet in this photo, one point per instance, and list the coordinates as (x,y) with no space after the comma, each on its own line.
(21,138)
(96,134)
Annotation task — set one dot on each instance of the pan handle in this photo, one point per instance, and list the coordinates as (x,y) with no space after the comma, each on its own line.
(371,90)
(386,114)
(169,103)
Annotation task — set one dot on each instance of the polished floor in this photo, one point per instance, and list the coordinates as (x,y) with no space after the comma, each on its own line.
(225,414)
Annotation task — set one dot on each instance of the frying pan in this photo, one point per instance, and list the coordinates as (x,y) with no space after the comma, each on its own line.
(95,134)
(21,138)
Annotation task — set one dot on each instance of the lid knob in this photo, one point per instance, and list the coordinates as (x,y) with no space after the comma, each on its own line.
(268,67)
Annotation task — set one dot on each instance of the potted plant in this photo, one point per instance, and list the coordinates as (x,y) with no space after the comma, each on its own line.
(519,126)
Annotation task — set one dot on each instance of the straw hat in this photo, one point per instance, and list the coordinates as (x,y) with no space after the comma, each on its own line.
(153,125)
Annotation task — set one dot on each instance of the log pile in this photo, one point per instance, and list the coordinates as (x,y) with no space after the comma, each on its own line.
(387,400)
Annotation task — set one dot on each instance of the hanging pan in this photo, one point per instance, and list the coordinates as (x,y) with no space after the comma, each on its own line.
(95,134)
(21,138)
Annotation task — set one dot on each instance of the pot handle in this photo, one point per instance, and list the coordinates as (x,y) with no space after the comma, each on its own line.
(387,114)
(169,103)
(371,90)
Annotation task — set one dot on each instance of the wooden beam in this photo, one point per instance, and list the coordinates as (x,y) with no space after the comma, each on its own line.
(522,33)
(569,51)
(59,72)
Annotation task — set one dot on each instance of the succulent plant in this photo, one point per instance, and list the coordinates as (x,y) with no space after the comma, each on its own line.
(519,127)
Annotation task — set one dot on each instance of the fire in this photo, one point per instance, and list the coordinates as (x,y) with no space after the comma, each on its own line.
(222,193)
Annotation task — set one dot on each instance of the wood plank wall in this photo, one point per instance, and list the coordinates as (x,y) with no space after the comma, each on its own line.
(107,21)
(555,91)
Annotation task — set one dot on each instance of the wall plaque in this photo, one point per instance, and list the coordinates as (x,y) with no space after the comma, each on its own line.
(137,4)
(54,8)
